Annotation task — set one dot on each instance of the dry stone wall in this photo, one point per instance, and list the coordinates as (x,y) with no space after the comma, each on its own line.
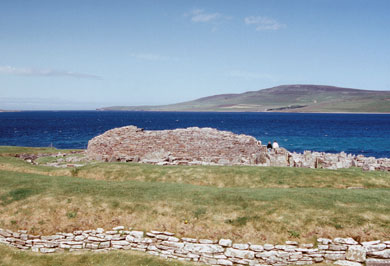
(341,251)
(207,146)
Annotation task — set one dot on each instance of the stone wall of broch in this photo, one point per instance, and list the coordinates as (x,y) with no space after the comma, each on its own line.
(207,146)
(341,251)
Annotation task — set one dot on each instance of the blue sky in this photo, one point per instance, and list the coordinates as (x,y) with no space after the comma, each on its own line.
(89,54)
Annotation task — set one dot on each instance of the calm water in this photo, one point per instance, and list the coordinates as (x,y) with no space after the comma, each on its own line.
(367,134)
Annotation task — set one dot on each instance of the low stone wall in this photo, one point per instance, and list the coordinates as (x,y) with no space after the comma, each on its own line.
(311,159)
(341,251)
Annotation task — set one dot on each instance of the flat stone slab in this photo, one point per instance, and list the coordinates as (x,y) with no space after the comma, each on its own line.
(377,262)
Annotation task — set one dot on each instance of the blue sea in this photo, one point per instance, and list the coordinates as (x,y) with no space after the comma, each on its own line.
(367,134)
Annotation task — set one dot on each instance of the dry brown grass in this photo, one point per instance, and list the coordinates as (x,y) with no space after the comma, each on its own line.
(242,203)
(237,176)
(11,257)
(48,214)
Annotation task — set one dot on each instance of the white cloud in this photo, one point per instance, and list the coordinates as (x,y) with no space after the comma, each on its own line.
(198,15)
(263,23)
(250,75)
(26,71)
(153,57)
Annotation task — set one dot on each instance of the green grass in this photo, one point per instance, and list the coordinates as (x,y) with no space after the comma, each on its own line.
(12,257)
(238,176)
(219,176)
(144,204)
(257,204)
(12,150)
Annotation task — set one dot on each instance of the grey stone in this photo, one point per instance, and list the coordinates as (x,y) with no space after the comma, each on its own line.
(137,234)
(208,260)
(203,248)
(225,242)
(243,254)
(268,246)
(356,253)
(120,243)
(384,254)
(256,247)
(189,240)
(99,230)
(324,241)
(224,262)
(348,241)
(347,263)
(173,239)
(104,244)
(162,237)
(173,244)
(374,248)
(241,246)
(206,241)
(337,247)
(377,262)
(369,243)
(335,256)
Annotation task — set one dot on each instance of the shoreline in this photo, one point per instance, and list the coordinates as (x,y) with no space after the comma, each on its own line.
(188,111)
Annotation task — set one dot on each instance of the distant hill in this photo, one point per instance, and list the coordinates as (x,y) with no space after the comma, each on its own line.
(285,98)
(6,111)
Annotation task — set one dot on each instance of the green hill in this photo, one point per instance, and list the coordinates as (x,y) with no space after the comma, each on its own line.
(285,98)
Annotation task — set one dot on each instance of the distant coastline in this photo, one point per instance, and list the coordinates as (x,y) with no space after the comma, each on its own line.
(237,111)
(283,99)
(8,111)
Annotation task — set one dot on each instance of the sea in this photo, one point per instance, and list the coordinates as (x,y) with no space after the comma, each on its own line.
(366,134)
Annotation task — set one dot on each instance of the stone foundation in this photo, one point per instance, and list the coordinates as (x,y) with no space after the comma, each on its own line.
(341,251)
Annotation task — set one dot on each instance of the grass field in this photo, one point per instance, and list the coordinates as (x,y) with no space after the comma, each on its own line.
(255,204)
(12,257)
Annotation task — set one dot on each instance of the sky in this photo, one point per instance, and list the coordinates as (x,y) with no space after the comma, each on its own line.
(76,55)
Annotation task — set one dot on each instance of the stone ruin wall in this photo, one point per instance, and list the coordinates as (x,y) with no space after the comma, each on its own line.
(179,146)
(340,251)
(207,146)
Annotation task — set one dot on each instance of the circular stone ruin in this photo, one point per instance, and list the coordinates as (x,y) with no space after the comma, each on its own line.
(178,146)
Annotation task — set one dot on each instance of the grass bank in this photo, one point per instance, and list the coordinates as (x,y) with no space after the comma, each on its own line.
(256,204)
(216,176)
(13,150)
(12,257)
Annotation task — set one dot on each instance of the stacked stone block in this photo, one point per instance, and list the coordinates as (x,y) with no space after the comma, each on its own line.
(341,251)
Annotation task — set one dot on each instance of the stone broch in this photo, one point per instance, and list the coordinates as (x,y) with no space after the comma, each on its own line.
(179,146)
(208,146)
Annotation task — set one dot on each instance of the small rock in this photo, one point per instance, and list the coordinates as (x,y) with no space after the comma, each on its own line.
(241,246)
(347,263)
(356,253)
(225,242)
